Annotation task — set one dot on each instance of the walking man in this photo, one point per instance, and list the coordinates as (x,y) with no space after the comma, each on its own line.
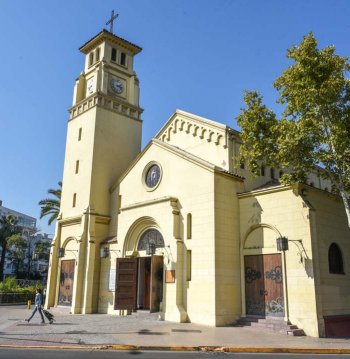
(38,302)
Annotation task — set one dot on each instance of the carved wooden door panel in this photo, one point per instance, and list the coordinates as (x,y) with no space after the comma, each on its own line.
(66,282)
(156,283)
(126,284)
(264,285)
(254,283)
(273,280)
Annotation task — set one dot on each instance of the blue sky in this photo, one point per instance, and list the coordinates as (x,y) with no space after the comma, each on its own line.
(198,56)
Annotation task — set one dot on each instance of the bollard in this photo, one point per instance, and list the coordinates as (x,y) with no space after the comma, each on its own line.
(29,304)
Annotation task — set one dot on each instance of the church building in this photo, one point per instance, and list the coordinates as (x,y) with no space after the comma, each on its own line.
(178,228)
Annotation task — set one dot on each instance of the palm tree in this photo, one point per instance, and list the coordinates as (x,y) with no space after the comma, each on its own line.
(8,228)
(51,206)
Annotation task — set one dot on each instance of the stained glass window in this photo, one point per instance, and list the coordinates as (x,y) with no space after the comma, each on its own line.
(151,236)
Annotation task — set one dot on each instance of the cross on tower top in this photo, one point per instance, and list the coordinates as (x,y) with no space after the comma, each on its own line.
(110,21)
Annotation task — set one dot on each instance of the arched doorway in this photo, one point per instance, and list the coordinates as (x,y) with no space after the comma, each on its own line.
(140,279)
(263,274)
(150,271)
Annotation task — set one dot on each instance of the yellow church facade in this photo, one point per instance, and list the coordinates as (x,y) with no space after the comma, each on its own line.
(177,228)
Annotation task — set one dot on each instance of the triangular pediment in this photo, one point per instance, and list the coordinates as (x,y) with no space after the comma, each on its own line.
(195,127)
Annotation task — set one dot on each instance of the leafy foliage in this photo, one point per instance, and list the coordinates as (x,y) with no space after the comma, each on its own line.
(51,206)
(17,247)
(314,129)
(9,285)
(8,228)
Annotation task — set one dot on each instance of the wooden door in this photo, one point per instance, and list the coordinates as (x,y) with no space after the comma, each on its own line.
(264,285)
(144,283)
(273,281)
(147,283)
(66,282)
(126,284)
(254,283)
(156,283)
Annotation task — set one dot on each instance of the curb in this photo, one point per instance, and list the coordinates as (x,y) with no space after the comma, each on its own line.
(226,349)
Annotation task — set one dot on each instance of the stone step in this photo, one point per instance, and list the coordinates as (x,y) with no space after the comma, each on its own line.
(296,332)
(276,325)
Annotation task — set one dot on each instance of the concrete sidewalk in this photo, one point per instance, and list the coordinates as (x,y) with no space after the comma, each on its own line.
(143,330)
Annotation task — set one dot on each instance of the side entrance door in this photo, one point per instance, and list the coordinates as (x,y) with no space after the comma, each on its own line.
(126,284)
(66,282)
(264,285)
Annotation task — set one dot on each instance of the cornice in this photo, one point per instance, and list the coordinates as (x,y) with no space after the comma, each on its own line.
(102,219)
(106,35)
(197,126)
(173,202)
(69,221)
(264,191)
(109,103)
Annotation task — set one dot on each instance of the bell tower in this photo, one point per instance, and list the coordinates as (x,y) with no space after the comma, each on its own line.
(104,129)
(103,138)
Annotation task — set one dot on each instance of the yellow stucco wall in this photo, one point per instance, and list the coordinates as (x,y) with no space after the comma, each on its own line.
(265,215)
(204,138)
(141,208)
(227,249)
(330,226)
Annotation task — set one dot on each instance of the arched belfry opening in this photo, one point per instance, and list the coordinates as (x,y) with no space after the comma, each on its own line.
(140,276)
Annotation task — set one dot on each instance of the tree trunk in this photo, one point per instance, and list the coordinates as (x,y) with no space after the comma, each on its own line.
(2,261)
(346,204)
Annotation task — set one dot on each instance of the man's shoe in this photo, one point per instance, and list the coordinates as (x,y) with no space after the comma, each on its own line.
(26,320)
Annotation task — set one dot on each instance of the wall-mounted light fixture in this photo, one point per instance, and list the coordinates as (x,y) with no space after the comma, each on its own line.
(105,252)
(60,252)
(151,249)
(282,244)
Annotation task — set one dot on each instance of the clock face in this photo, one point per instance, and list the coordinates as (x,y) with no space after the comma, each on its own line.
(90,86)
(152,176)
(117,86)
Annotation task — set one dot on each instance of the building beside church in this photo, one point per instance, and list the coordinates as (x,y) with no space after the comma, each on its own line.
(177,228)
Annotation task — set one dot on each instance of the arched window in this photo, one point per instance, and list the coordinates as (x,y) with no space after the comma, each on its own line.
(123,59)
(91,58)
(189,226)
(98,54)
(151,237)
(335,259)
(262,171)
(114,55)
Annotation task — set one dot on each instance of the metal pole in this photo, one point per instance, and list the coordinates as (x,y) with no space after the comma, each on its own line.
(286,315)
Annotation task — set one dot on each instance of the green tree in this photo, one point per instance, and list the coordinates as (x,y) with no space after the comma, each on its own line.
(51,206)
(313,131)
(16,251)
(8,228)
(42,249)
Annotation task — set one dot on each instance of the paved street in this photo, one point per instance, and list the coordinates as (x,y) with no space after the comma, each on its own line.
(144,330)
(105,354)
